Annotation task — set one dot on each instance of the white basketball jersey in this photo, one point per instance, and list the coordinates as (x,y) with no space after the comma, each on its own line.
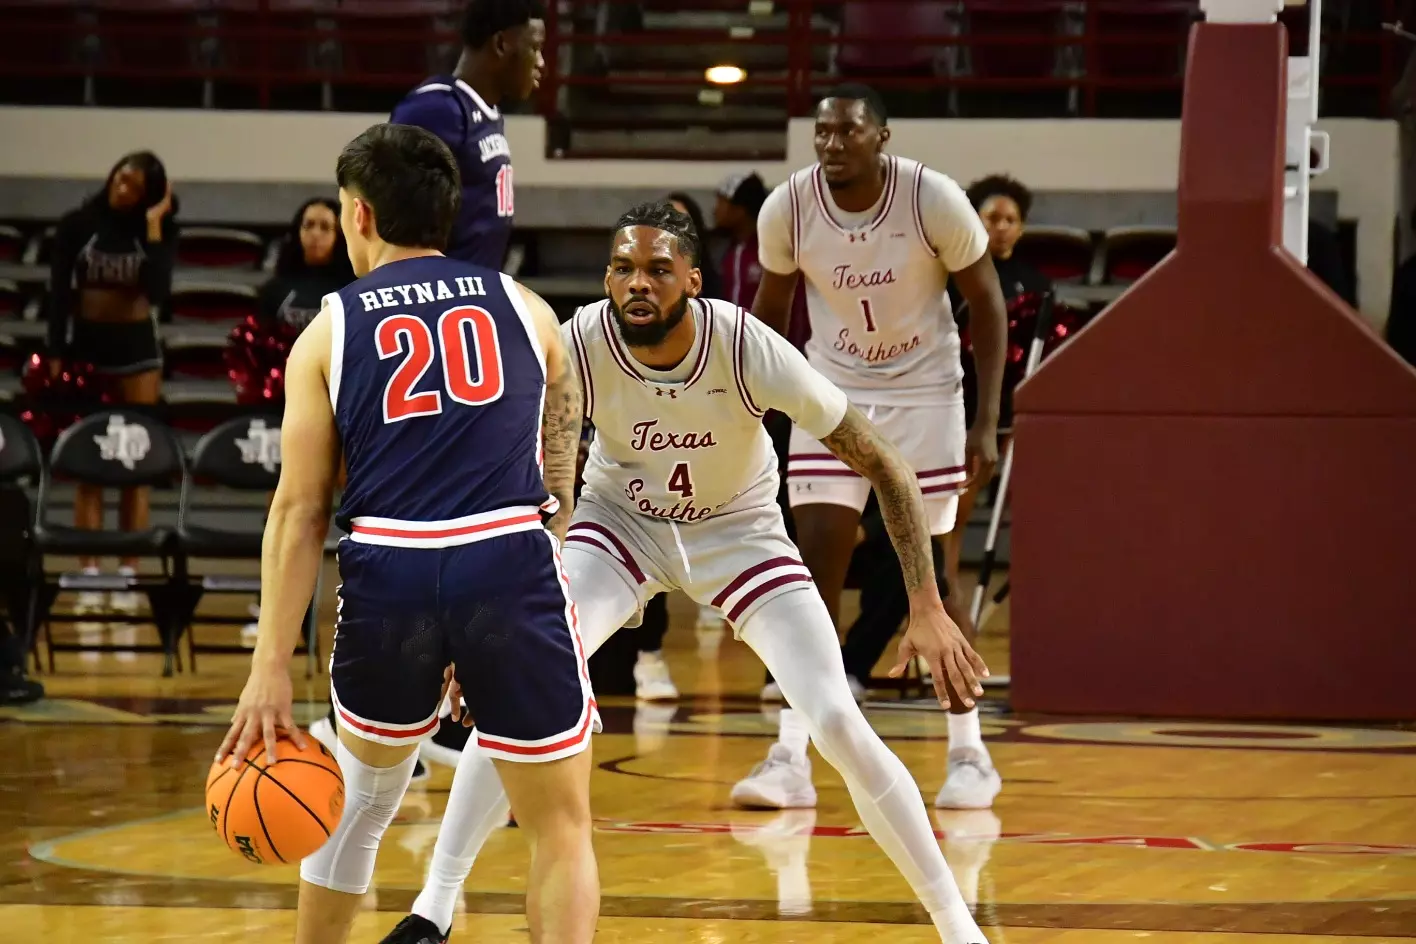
(882,328)
(678,451)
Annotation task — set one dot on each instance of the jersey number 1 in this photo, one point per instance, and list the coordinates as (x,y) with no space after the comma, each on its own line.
(471,361)
(506,193)
(869,314)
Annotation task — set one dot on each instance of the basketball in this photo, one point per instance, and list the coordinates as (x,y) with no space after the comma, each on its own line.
(278,813)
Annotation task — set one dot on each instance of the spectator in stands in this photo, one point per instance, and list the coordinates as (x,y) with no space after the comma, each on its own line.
(312,263)
(1003,204)
(712,280)
(110,275)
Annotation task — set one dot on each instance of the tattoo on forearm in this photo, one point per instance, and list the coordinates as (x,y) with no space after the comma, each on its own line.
(860,446)
(560,440)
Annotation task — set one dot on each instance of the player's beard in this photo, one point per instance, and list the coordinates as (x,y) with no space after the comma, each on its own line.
(653,333)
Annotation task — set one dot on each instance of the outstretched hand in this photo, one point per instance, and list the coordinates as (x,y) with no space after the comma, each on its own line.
(264,710)
(934,637)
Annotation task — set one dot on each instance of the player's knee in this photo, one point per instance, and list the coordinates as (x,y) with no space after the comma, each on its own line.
(836,727)
(371,798)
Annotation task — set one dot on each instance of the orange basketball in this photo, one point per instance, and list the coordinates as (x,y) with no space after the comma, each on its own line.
(281,812)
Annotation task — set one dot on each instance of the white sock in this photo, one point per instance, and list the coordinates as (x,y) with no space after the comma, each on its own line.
(90,571)
(126,571)
(476,805)
(794,732)
(793,635)
(964,731)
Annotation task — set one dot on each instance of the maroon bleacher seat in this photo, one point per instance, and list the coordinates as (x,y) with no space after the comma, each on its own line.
(147,41)
(1134,23)
(1129,252)
(863,19)
(389,37)
(1062,253)
(219,246)
(212,302)
(39,33)
(1012,26)
(292,41)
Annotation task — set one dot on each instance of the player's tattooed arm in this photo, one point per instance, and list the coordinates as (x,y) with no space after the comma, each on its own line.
(560,435)
(561,421)
(859,445)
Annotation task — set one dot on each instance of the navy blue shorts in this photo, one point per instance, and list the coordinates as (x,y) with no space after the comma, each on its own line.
(498,609)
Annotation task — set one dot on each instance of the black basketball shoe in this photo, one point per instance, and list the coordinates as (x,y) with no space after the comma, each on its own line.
(415,929)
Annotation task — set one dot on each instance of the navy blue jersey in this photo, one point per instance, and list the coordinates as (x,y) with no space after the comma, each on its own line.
(437,382)
(475,132)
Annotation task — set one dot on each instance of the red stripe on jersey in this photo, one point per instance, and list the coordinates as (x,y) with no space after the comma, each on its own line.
(757,591)
(446,532)
(751,572)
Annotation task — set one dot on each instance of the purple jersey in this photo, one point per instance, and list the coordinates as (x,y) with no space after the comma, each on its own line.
(437,379)
(475,132)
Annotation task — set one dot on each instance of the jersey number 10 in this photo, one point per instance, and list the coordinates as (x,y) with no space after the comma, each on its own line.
(506,193)
(470,357)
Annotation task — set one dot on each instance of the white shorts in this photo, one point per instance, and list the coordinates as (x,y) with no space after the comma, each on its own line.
(734,562)
(932,440)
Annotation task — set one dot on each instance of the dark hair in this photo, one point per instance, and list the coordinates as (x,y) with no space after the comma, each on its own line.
(484,19)
(663,216)
(856,91)
(410,178)
(1001,185)
(154,188)
(291,259)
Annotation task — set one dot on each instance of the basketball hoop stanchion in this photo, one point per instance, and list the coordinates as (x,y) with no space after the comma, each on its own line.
(1041,330)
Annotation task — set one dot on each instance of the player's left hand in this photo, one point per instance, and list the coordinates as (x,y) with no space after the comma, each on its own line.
(263,709)
(932,635)
(451,689)
(981,452)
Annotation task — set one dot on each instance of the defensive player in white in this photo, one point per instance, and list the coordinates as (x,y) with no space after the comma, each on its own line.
(877,237)
(680,493)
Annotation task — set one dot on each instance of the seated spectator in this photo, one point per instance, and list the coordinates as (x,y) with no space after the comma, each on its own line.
(110,275)
(312,262)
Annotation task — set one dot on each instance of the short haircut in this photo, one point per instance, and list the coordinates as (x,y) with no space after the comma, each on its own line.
(410,178)
(663,216)
(856,91)
(1001,185)
(484,19)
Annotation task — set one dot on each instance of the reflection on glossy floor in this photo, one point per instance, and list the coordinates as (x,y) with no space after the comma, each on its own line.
(1104,832)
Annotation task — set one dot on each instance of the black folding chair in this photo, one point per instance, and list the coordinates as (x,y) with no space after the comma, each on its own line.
(242,454)
(114,448)
(21,567)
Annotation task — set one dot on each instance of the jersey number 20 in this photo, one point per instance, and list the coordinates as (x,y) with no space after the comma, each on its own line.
(471,361)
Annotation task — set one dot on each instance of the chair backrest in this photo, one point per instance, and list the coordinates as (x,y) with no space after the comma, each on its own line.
(118,448)
(241,453)
(20,454)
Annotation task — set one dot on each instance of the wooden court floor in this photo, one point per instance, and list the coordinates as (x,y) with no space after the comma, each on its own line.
(1106,831)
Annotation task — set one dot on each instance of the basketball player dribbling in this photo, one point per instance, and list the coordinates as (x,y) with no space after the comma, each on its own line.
(447,389)
(877,238)
(681,493)
(500,65)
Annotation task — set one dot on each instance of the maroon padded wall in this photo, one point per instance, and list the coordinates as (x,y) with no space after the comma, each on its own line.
(1215,490)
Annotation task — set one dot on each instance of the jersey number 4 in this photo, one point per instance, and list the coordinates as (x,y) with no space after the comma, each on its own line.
(680,481)
(470,357)
(506,193)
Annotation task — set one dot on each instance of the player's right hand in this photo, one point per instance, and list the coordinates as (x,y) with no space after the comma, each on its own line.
(264,709)
(451,689)
(933,636)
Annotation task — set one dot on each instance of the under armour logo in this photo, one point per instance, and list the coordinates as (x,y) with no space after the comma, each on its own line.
(857,237)
(123,442)
(666,392)
(261,446)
